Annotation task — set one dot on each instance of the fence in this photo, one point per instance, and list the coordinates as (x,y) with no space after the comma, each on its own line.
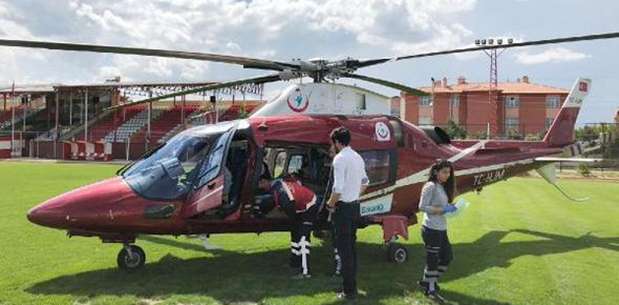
(530,132)
(38,144)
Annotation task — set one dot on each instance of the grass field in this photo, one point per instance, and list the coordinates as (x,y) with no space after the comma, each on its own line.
(520,242)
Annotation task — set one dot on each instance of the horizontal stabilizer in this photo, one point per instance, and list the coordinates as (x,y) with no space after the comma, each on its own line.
(548,172)
(576,160)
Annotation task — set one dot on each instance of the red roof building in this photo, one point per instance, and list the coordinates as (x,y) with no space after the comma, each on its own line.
(514,108)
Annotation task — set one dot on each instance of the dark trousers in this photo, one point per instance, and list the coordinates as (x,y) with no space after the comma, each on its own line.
(300,239)
(438,256)
(345,226)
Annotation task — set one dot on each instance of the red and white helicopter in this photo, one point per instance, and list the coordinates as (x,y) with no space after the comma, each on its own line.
(178,188)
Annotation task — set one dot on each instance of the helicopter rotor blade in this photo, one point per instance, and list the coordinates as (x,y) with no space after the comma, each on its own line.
(247,62)
(610,35)
(252,80)
(386,83)
(517,44)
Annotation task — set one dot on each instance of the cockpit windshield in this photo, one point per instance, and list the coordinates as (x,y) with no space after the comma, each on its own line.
(193,157)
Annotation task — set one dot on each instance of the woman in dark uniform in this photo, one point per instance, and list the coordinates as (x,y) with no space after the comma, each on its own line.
(436,197)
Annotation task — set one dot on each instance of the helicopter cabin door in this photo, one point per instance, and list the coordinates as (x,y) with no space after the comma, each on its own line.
(212,179)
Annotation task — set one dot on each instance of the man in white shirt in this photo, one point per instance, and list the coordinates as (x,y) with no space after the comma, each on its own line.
(349,182)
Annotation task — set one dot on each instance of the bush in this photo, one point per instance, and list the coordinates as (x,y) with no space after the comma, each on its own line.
(513,134)
(534,136)
(243,113)
(612,150)
(455,131)
(481,135)
(583,169)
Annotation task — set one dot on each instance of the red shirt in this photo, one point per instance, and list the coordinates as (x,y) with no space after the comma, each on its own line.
(293,190)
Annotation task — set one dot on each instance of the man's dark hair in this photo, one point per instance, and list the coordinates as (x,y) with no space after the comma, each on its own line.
(341,135)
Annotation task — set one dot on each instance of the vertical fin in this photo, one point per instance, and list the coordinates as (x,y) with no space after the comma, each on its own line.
(562,128)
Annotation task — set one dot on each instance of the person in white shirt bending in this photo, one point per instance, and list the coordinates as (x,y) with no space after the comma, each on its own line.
(349,182)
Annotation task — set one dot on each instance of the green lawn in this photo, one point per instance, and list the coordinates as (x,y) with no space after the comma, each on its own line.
(520,242)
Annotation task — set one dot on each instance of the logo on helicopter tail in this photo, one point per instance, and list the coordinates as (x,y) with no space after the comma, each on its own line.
(583,87)
(297,101)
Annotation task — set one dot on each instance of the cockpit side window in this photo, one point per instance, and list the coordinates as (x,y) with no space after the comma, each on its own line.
(191,157)
(212,165)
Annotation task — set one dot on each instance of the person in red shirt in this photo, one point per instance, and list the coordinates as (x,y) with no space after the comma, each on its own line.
(300,204)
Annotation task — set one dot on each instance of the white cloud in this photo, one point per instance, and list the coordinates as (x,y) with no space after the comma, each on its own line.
(553,55)
(258,28)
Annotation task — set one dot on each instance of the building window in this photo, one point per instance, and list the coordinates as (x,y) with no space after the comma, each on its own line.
(552,101)
(511,123)
(454,104)
(377,166)
(425,101)
(454,101)
(395,107)
(361,103)
(512,101)
(425,120)
(549,122)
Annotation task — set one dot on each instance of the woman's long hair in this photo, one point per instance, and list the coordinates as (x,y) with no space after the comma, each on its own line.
(450,184)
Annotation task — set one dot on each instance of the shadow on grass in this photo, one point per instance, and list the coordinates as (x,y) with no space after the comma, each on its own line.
(251,277)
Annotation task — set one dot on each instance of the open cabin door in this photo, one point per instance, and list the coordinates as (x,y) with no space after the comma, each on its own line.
(210,183)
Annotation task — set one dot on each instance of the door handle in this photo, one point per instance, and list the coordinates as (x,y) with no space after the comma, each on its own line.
(211,186)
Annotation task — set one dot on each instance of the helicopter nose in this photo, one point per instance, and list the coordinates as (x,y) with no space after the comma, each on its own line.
(46,214)
(85,208)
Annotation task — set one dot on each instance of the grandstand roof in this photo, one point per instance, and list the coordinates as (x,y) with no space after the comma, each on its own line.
(135,84)
(41,88)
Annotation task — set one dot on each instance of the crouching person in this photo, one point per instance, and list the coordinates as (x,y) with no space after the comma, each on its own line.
(299,203)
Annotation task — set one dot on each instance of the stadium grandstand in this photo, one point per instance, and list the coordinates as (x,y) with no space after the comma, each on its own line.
(56,121)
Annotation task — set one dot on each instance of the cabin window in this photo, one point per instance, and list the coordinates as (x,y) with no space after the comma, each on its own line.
(377,166)
(280,163)
(295,164)
(397,132)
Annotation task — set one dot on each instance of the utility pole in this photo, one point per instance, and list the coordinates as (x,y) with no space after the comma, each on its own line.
(493,54)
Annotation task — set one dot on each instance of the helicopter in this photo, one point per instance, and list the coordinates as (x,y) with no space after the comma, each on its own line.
(180,187)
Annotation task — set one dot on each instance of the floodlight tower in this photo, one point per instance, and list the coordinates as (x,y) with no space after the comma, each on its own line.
(492,127)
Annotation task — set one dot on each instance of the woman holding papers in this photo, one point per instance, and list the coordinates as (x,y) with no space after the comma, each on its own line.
(436,197)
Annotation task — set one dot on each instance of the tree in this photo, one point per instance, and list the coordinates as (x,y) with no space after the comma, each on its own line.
(455,131)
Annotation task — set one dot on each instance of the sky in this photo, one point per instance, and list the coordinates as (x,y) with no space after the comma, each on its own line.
(282,30)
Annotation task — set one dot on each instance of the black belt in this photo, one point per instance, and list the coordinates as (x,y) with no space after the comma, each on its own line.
(347,205)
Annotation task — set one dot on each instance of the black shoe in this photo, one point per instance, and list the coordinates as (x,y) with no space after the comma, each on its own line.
(301,276)
(346,296)
(423,285)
